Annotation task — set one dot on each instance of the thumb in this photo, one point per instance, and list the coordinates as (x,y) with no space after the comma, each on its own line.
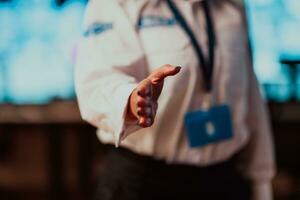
(164,71)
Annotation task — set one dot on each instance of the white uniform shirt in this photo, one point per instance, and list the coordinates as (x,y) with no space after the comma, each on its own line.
(124,42)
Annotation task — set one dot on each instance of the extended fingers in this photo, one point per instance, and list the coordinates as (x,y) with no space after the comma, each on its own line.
(146,103)
(145,111)
(145,122)
(145,88)
(164,71)
(146,108)
(143,101)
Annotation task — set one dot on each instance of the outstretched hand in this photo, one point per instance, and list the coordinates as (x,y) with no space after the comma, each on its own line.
(143,100)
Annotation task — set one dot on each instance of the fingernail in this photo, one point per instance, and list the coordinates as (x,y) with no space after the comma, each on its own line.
(178,68)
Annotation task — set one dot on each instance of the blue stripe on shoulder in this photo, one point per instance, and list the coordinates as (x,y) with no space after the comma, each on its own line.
(97,28)
(153,21)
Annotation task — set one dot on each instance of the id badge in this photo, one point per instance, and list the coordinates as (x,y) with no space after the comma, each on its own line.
(208,126)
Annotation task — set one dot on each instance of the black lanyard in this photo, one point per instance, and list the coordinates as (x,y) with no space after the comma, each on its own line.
(205,65)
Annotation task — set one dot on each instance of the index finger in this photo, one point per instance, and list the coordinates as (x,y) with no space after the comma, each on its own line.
(163,72)
(145,88)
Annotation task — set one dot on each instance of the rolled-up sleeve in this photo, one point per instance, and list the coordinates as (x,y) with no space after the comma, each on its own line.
(103,81)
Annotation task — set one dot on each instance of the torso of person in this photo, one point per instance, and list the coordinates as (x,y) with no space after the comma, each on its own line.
(146,36)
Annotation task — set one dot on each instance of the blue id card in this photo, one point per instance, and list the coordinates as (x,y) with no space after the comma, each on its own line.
(208,126)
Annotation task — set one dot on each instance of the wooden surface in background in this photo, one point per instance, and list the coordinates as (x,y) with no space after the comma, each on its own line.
(53,151)
(56,112)
(64,112)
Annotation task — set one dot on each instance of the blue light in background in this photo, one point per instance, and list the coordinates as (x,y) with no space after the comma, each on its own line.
(36,47)
(38,40)
(274,31)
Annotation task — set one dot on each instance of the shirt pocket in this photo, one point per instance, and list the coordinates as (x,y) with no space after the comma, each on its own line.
(163,39)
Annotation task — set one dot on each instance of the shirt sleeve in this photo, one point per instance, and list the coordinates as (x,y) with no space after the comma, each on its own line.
(104,78)
(257,158)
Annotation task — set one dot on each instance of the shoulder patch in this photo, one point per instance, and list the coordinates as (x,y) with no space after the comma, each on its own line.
(97,28)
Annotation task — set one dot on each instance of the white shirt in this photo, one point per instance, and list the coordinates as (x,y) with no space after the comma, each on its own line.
(114,58)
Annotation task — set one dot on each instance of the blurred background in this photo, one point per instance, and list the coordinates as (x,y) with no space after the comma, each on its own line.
(47,152)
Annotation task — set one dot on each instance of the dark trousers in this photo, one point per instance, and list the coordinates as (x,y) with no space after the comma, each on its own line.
(128,176)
